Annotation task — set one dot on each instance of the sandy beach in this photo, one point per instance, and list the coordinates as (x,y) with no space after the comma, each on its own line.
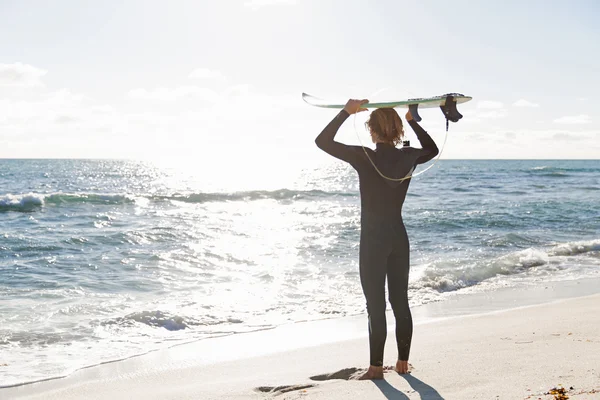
(516,353)
(234,200)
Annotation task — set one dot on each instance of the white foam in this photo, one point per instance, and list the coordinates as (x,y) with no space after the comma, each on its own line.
(22,200)
(574,248)
(454,276)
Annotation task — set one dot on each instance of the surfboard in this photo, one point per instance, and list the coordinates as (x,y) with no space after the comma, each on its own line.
(425,102)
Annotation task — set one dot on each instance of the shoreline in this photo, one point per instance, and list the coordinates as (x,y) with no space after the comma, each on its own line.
(240,348)
(457,304)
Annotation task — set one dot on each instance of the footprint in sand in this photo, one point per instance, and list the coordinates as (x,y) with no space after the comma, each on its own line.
(282,389)
(350,373)
(346,374)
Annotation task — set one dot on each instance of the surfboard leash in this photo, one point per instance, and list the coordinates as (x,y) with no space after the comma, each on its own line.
(412,170)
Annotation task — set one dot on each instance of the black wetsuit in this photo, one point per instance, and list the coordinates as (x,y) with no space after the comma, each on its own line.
(384,248)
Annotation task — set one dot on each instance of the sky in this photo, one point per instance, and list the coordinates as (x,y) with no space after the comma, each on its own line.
(196,80)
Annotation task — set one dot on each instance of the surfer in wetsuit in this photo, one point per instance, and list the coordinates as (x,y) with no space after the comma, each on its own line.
(384,248)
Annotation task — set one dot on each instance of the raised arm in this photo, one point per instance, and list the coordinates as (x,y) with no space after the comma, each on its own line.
(429,149)
(325,139)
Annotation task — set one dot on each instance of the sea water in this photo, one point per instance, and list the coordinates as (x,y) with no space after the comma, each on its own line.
(102,259)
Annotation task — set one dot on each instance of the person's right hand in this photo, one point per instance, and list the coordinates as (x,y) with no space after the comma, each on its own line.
(353,106)
(409,116)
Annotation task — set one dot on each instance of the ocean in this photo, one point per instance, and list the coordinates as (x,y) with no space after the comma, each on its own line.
(106,259)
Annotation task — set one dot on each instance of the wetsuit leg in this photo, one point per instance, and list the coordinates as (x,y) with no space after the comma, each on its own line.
(372,261)
(397,274)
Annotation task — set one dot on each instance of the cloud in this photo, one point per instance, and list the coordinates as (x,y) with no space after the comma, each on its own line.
(64,123)
(103,109)
(66,119)
(490,105)
(173,94)
(255,4)
(524,103)
(568,137)
(493,114)
(64,97)
(22,75)
(574,119)
(477,116)
(44,107)
(205,73)
(536,135)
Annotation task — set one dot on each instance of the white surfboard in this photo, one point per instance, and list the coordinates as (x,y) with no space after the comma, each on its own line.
(425,102)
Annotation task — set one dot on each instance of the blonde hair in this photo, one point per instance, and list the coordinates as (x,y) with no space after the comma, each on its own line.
(386,125)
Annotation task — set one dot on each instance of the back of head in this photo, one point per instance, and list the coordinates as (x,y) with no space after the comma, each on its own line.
(386,126)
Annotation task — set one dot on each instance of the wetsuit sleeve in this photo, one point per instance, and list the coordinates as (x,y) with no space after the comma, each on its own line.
(339,150)
(429,149)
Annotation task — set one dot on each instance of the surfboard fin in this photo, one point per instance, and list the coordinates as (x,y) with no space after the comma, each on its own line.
(413,108)
(450,111)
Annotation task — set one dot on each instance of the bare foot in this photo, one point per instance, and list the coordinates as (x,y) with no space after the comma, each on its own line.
(403,367)
(372,373)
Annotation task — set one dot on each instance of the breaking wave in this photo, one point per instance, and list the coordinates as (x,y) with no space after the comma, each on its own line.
(33,201)
(282,194)
(456,277)
(26,202)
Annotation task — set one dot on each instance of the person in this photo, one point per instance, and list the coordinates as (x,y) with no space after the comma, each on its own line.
(384,246)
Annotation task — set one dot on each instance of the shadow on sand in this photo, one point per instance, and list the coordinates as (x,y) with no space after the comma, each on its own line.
(390,392)
(425,391)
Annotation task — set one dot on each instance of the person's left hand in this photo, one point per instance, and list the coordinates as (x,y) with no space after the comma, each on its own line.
(353,106)
(409,116)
